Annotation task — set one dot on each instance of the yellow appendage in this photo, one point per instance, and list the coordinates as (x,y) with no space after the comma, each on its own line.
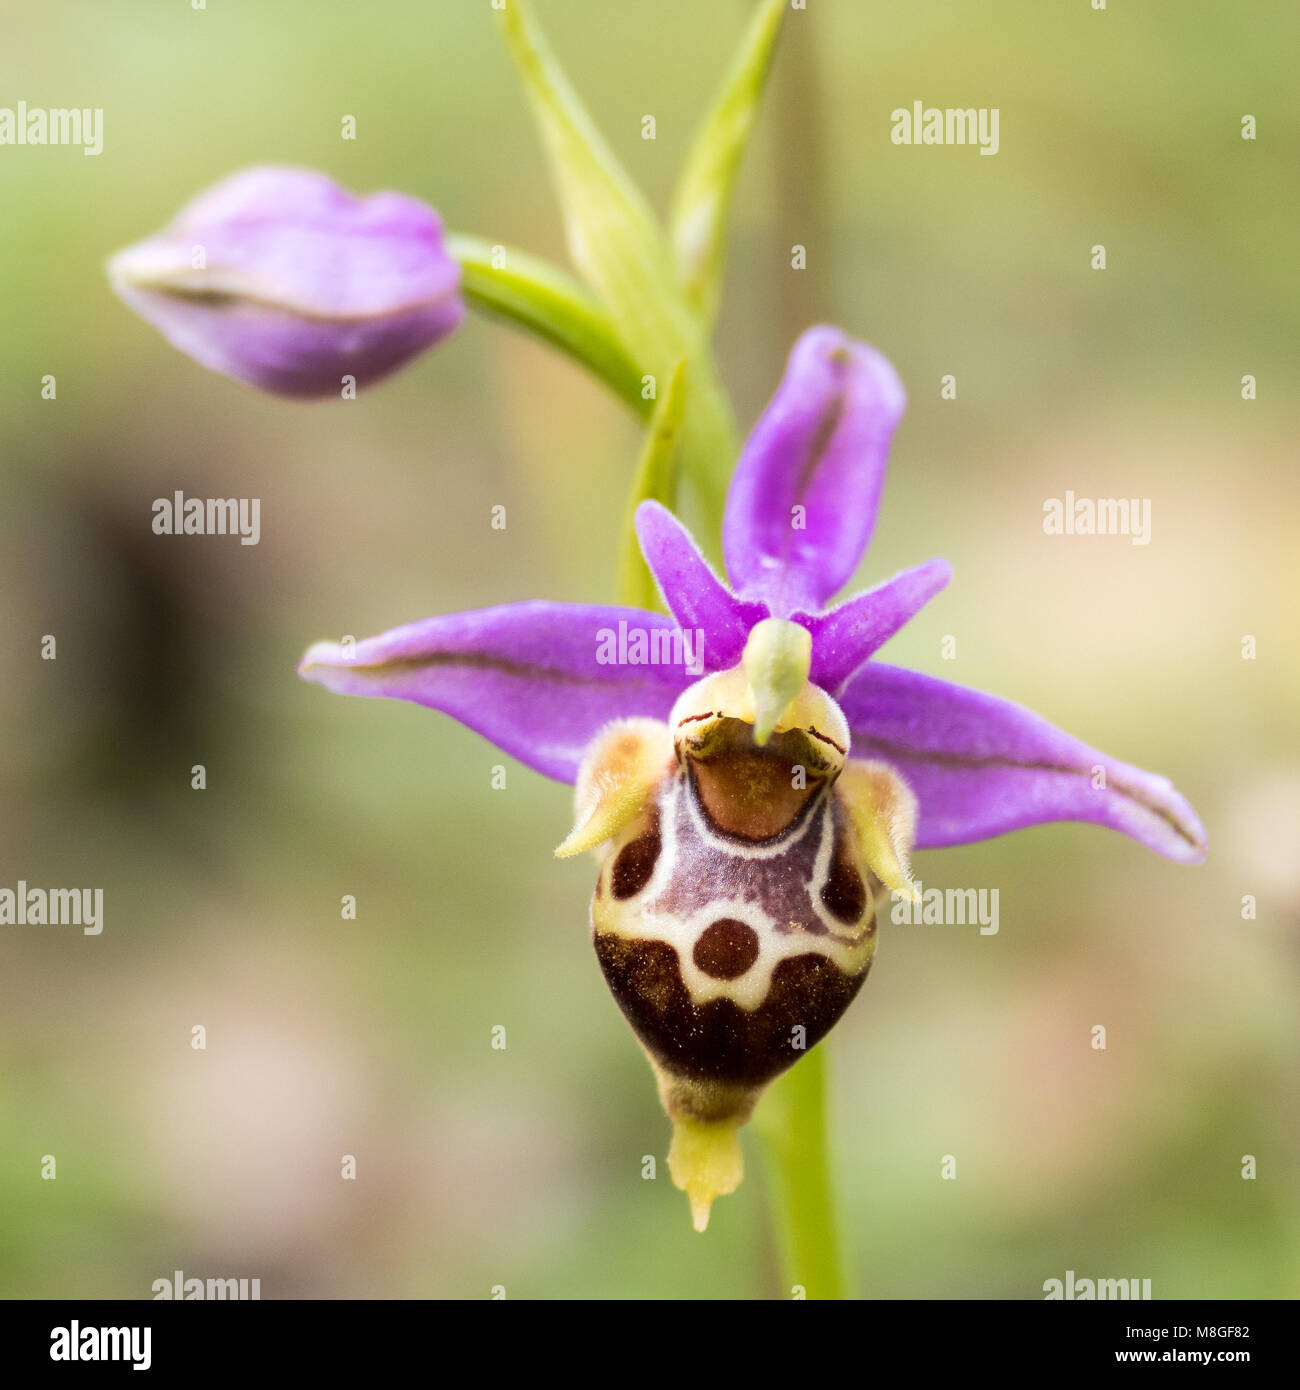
(705,1162)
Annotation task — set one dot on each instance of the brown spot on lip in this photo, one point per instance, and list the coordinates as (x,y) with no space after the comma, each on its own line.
(693,718)
(636,861)
(726,949)
(844,895)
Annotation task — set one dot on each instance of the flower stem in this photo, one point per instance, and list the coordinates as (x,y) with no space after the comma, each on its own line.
(534,295)
(531,293)
(791,1122)
(655,480)
(708,447)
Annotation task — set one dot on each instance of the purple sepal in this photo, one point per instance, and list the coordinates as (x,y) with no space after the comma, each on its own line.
(981,766)
(802,503)
(538,679)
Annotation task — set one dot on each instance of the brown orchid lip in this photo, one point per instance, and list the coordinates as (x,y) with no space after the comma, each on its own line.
(753,793)
(767,824)
(734,921)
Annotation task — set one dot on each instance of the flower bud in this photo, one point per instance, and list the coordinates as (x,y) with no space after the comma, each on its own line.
(282,279)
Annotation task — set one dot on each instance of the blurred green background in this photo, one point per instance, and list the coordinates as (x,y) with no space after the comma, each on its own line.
(522,1167)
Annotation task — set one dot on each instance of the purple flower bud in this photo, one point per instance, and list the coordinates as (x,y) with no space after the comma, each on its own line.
(280,278)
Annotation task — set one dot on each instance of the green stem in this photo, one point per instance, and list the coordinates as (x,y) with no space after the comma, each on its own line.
(525,290)
(791,1122)
(531,293)
(709,448)
(655,480)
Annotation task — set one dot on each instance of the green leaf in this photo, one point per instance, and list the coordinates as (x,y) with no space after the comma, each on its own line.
(620,249)
(614,238)
(703,198)
(525,290)
(656,477)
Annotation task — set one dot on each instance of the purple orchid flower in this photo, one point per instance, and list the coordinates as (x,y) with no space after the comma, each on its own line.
(749,777)
(280,278)
(800,513)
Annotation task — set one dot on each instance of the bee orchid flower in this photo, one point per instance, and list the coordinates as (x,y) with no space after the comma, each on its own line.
(749,777)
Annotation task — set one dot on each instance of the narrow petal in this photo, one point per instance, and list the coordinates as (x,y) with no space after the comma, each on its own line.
(695,596)
(282,279)
(883,809)
(803,500)
(846,636)
(616,781)
(539,680)
(980,766)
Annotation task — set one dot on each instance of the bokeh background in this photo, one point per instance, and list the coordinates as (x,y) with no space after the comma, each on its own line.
(522,1167)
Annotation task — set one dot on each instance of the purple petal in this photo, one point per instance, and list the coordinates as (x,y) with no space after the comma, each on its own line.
(539,680)
(846,636)
(820,446)
(695,596)
(299,282)
(980,766)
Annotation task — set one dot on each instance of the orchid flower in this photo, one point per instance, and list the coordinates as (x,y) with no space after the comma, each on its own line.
(748,776)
